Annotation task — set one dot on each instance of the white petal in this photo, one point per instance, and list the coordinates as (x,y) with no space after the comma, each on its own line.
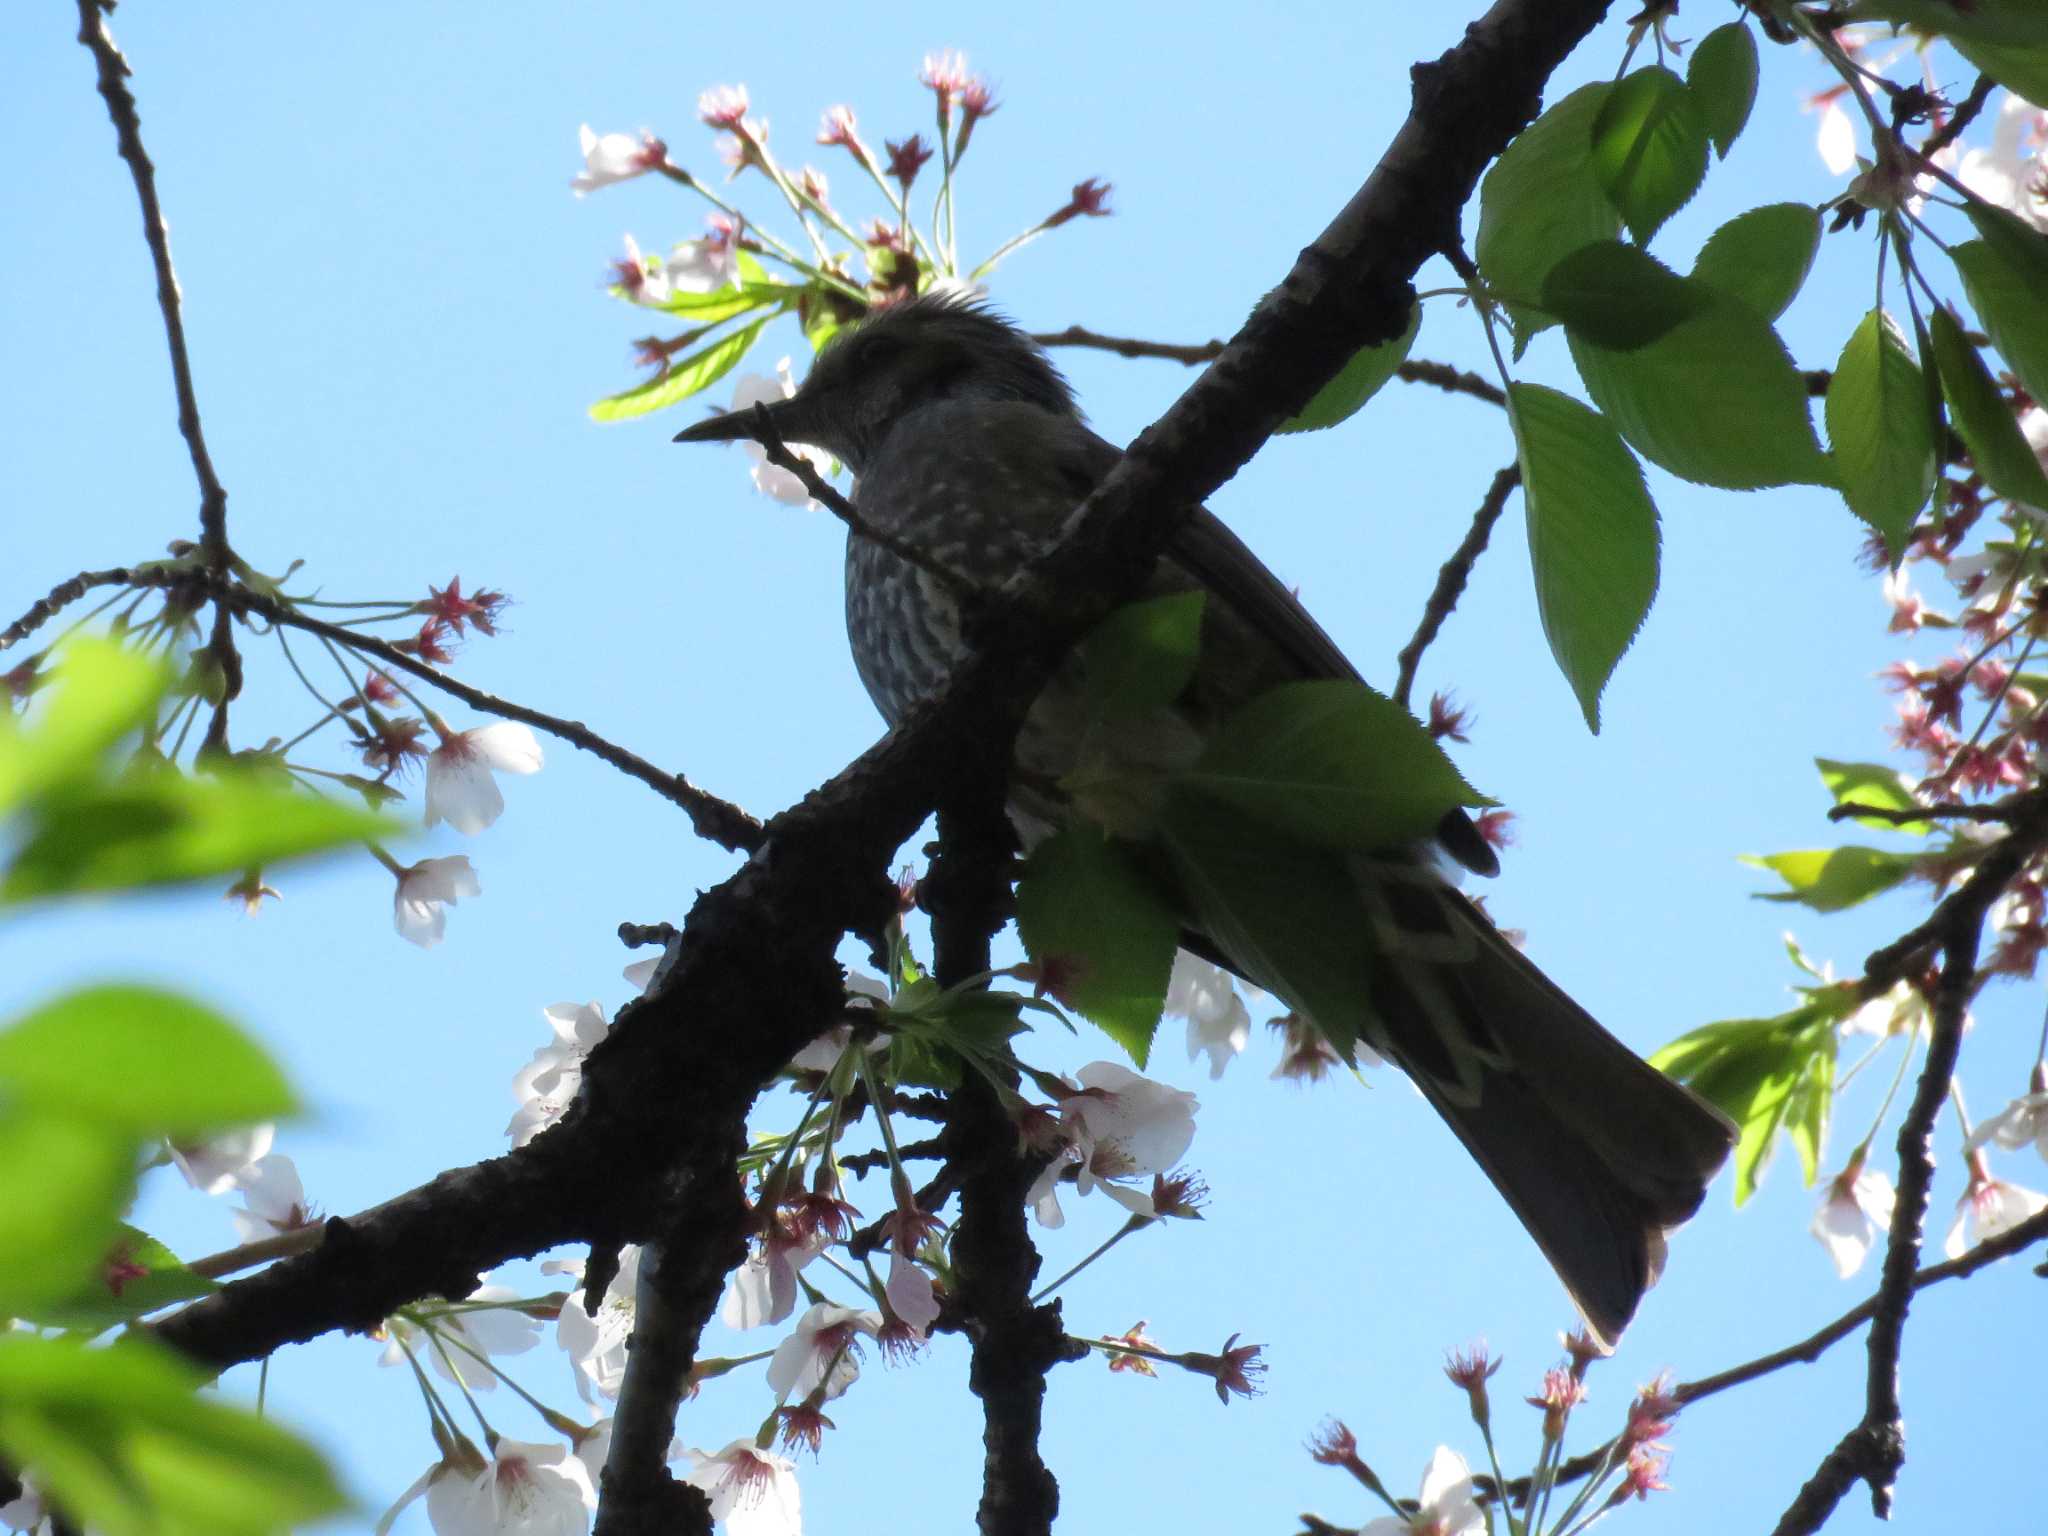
(507,746)
(1837,140)
(461,792)
(1447,1470)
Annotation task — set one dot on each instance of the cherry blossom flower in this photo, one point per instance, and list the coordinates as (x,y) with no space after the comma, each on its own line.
(723,106)
(1901,1011)
(753,1491)
(906,158)
(1118,1127)
(1563,1390)
(1908,612)
(217,1165)
(644,281)
(596,1344)
(826,1340)
(1447,1505)
(946,74)
(1305,1056)
(641,972)
(771,479)
(1988,1208)
(763,1289)
(614,157)
(2013,172)
(528,1489)
(1836,138)
(460,789)
(273,1200)
(836,126)
(1137,1338)
(1858,1208)
(913,1298)
(1219,1023)
(451,607)
(425,891)
(1471,1369)
(547,1085)
(479,1326)
(702,265)
(2022,1122)
(250,891)
(1644,1475)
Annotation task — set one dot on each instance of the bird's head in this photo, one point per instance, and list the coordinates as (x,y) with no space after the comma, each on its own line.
(915,354)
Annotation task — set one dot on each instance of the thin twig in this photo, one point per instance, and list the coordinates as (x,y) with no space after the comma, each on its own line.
(1961,119)
(762,427)
(1130,346)
(1450,581)
(717,820)
(1456,381)
(213,497)
(59,598)
(1907,815)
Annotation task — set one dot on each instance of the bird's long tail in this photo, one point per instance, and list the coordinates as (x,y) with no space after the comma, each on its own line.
(1598,1152)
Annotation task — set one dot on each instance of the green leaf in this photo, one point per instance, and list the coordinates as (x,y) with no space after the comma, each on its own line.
(1872,784)
(63,1184)
(1649,148)
(164,1281)
(1723,76)
(724,303)
(1096,925)
(1716,400)
(2006,277)
(1762,1073)
(697,372)
(2003,38)
(167,827)
(1333,764)
(101,691)
(1879,429)
(1592,536)
(1982,417)
(1142,656)
(1619,295)
(141,1061)
(1761,257)
(1539,203)
(1279,910)
(125,1444)
(1830,879)
(1357,382)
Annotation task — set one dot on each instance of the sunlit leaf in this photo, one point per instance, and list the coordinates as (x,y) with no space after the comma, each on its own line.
(1649,148)
(1879,430)
(1723,75)
(1830,879)
(1761,257)
(689,376)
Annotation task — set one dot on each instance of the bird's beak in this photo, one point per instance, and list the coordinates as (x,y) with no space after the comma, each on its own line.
(738,426)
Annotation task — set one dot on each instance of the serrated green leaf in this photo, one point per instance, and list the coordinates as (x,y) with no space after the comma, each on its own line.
(1758,1072)
(118,1293)
(1872,784)
(1593,537)
(1997,448)
(1619,295)
(1356,382)
(1331,764)
(64,1181)
(122,1441)
(1277,908)
(1649,148)
(2006,277)
(99,692)
(1761,257)
(695,373)
(1142,656)
(166,827)
(2003,38)
(1539,203)
(1716,400)
(724,303)
(1879,430)
(1831,879)
(1723,75)
(1091,918)
(183,1069)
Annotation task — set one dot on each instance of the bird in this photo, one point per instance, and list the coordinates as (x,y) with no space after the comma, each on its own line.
(969,450)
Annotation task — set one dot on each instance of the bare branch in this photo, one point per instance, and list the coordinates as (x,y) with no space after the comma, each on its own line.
(1450,581)
(60,597)
(1905,816)
(1455,381)
(1129,346)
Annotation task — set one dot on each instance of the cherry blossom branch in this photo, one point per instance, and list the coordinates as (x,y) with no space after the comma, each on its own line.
(1450,581)
(1960,119)
(762,430)
(1902,816)
(714,819)
(1805,1351)
(113,73)
(60,597)
(262,1251)
(1874,1449)
(1417,370)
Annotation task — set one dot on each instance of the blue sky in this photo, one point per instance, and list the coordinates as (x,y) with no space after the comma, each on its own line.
(398,317)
